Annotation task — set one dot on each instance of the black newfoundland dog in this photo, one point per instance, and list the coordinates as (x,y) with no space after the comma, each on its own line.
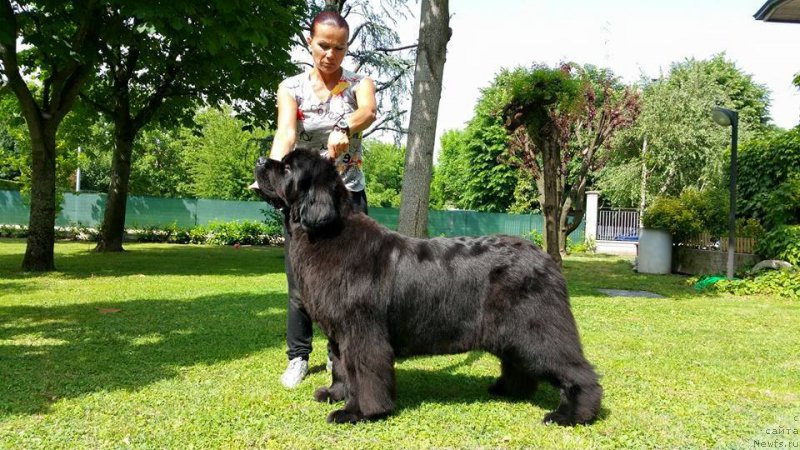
(379,295)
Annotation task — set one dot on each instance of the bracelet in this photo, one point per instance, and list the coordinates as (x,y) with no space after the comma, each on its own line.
(342,127)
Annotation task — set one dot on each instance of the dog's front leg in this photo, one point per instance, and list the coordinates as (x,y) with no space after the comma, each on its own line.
(338,388)
(369,361)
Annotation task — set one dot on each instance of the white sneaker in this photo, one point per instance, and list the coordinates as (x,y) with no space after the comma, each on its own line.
(295,372)
(329,365)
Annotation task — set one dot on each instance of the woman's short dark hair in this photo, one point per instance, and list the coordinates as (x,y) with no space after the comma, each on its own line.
(329,18)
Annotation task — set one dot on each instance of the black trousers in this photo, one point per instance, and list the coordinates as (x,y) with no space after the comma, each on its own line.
(299,331)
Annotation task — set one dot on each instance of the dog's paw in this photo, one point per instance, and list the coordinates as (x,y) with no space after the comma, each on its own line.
(322,395)
(558,418)
(343,416)
(333,394)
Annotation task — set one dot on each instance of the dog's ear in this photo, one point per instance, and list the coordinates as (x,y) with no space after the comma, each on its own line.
(269,182)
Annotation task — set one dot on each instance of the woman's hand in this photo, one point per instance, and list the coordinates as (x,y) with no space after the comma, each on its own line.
(338,143)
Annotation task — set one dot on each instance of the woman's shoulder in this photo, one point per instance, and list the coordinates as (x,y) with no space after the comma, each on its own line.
(352,77)
(294,81)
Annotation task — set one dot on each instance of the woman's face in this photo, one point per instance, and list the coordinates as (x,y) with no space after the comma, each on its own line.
(328,47)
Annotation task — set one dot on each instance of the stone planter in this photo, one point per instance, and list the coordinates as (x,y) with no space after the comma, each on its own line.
(655,251)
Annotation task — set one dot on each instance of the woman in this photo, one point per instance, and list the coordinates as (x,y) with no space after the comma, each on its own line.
(323,109)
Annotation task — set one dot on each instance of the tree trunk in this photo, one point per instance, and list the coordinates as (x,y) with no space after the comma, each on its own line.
(552,201)
(575,202)
(39,253)
(434,33)
(563,226)
(113,228)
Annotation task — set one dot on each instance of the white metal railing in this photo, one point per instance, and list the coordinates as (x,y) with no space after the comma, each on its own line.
(618,225)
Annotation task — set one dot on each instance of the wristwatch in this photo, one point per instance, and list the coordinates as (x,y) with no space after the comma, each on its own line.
(343,127)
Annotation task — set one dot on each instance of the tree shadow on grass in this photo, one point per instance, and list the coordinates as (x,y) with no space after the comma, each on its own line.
(157,260)
(48,353)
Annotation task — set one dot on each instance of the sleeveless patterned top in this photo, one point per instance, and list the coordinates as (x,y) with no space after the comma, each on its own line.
(316,119)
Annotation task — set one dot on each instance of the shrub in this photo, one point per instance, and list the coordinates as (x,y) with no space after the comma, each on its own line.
(151,233)
(783,204)
(13,231)
(749,228)
(784,283)
(710,207)
(587,246)
(244,233)
(670,214)
(77,232)
(536,237)
(274,221)
(198,235)
(781,243)
(692,213)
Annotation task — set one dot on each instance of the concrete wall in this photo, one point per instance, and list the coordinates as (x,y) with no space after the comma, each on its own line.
(692,261)
(621,248)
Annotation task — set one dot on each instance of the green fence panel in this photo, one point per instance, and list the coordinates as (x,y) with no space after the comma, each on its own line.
(154,211)
(81,209)
(387,217)
(142,211)
(230,210)
(13,210)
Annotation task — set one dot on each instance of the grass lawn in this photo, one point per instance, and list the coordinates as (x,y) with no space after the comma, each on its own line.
(170,346)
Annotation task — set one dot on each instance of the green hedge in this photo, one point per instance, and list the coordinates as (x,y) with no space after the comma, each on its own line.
(216,233)
(781,243)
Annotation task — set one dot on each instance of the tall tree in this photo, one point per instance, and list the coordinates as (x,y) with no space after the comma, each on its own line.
(535,98)
(562,121)
(161,60)
(434,33)
(674,145)
(451,171)
(219,156)
(472,168)
(59,43)
(607,108)
(383,162)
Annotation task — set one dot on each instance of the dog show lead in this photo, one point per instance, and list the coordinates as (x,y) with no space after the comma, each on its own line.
(324,109)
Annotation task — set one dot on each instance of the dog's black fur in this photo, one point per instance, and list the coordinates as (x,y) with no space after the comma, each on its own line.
(379,295)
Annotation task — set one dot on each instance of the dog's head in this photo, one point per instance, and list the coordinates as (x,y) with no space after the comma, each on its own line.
(306,185)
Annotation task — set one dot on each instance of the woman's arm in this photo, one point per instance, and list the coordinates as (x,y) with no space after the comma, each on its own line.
(359,121)
(286,134)
(367,110)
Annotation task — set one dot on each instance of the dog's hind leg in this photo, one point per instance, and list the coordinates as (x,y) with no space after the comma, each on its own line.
(337,391)
(580,395)
(369,362)
(559,360)
(514,381)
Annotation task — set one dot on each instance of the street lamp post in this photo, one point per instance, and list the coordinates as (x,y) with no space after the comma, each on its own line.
(728,117)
